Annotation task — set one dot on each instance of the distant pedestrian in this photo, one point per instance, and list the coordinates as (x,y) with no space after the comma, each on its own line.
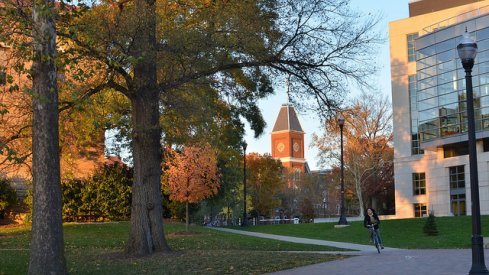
(371,219)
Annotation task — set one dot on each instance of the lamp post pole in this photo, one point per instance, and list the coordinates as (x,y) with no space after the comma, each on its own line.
(342,221)
(467,50)
(245,218)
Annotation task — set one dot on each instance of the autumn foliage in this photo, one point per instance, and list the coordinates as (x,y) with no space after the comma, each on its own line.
(191,175)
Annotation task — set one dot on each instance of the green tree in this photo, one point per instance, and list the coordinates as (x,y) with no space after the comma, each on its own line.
(430,227)
(8,197)
(307,210)
(265,181)
(107,191)
(72,198)
(113,185)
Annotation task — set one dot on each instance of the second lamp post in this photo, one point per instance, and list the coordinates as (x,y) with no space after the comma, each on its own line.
(245,218)
(342,221)
(467,50)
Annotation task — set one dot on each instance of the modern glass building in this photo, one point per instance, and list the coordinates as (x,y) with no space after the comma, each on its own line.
(429,104)
(440,82)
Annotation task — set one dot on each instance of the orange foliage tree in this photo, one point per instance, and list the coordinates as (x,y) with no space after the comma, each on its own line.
(191,175)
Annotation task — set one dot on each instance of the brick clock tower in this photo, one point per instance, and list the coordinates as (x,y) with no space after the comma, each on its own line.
(288,139)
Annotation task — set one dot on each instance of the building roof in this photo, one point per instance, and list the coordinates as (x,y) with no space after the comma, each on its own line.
(287,120)
(419,7)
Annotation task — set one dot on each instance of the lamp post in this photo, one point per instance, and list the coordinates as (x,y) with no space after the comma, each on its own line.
(342,221)
(467,50)
(245,218)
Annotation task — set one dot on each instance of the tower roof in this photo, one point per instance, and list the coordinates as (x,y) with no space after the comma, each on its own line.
(287,119)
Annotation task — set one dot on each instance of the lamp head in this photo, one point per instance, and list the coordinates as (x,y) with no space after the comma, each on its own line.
(341,119)
(467,50)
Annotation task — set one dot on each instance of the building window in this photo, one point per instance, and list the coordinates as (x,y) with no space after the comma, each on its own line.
(410,46)
(457,205)
(420,210)
(456,149)
(485,144)
(457,177)
(419,184)
(457,190)
(413,105)
(3,78)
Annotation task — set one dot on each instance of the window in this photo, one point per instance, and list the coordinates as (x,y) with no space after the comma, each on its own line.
(485,144)
(3,78)
(456,149)
(420,210)
(457,205)
(410,45)
(413,104)
(457,190)
(419,184)
(457,177)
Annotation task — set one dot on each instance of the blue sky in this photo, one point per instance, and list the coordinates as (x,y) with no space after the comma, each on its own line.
(390,10)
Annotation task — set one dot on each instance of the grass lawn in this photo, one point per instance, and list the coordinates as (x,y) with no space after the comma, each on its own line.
(454,232)
(97,249)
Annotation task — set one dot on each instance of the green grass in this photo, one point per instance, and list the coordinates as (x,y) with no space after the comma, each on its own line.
(454,232)
(97,249)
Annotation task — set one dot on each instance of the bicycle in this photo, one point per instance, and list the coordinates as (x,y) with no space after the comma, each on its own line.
(375,237)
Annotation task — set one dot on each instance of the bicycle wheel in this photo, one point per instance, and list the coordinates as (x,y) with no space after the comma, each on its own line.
(377,243)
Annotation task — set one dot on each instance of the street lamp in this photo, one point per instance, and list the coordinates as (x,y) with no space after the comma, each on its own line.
(467,50)
(245,219)
(324,207)
(342,221)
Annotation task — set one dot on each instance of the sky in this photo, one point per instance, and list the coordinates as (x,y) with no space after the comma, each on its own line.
(390,10)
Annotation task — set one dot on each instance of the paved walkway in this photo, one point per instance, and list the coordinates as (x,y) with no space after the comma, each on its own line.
(361,249)
(390,262)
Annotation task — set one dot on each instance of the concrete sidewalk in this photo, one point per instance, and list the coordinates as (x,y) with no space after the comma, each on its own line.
(359,247)
(400,262)
(391,261)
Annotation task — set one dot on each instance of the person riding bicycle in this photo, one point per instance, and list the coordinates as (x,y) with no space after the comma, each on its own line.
(371,219)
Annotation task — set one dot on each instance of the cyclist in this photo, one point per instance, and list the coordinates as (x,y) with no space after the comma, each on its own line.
(371,219)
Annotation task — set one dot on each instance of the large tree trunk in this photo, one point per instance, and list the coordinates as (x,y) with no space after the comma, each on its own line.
(146,233)
(186,217)
(47,250)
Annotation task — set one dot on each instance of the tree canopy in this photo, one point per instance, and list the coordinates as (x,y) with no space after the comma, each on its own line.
(150,50)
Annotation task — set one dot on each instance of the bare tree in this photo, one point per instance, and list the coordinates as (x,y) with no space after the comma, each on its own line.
(368,136)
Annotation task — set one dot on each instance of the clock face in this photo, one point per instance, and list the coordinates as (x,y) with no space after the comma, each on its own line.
(296,147)
(280,147)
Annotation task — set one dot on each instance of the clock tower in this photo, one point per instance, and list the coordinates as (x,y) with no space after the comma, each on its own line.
(288,139)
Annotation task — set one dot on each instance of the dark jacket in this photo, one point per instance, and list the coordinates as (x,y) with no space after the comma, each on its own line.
(367,222)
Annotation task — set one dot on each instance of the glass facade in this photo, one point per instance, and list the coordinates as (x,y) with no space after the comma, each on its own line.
(440,81)
(410,46)
(413,105)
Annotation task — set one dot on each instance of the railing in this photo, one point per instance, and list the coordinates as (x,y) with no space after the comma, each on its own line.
(454,20)
(278,221)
